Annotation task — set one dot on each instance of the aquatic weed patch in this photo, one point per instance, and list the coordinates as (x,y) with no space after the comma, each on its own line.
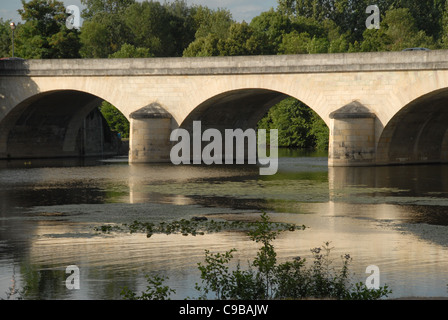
(194,226)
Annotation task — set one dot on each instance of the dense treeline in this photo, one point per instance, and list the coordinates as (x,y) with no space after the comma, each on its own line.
(127,28)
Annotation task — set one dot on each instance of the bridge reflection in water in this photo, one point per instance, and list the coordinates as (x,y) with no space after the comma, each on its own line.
(393,217)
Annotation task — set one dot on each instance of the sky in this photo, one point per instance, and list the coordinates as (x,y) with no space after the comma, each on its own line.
(240,9)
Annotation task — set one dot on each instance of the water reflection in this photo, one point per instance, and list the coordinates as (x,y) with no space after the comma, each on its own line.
(419,190)
(407,181)
(393,217)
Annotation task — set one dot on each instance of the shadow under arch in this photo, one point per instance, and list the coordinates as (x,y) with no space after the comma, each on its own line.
(57,123)
(238,109)
(241,108)
(418,133)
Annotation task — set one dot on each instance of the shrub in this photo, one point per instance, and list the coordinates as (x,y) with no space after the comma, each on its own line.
(266,279)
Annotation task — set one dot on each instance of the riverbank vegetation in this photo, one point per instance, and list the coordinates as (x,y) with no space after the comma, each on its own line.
(139,29)
(264,277)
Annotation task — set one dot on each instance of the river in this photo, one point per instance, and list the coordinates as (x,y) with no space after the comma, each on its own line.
(395,218)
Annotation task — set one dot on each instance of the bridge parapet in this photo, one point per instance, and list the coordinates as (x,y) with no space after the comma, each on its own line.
(279,64)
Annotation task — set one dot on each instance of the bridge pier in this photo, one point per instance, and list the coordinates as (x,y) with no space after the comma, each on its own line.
(352,136)
(150,135)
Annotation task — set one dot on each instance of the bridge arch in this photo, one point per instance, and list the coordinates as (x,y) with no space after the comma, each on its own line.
(56,123)
(238,108)
(241,107)
(259,92)
(417,133)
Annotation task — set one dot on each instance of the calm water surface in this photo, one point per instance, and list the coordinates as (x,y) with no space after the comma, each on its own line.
(393,217)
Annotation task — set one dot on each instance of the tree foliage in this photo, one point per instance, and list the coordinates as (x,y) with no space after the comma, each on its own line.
(94,7)
(298,126)
(5,38)
(115,119)
(44,34)
(129,51)
(444,23)
(165,29)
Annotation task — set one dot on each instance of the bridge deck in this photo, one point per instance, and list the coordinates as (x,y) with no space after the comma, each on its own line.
(280,64)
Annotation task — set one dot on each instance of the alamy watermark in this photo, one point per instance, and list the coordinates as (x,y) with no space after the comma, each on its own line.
(189,150)
(373,21)
(373,280)
(73,280)
(74,20)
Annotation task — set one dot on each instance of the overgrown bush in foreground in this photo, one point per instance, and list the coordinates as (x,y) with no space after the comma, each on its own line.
(266,279)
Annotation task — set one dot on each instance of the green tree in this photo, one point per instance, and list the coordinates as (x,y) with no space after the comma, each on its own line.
(315,9)
(215,22)
(65,44)
(318,45)
(204,47)
(5,38)
(94,7)
(428,15)
(444,26)
(116,120)
(96,40)
(29,44)
(182,24)
(148,25)
(295,43)
(243,40)
(402,28)
(310,36)
(294,121)
(375,40)
(274,26)
(320,132)
(339,45)
(212,32)
(129,51)
(310,25)
(105,29)
(48,15)
(103,34)
(44,34)
(398,31)
(165,29)
(350,15)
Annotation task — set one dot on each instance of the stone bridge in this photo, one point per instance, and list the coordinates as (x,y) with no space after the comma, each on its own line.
(381,108)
